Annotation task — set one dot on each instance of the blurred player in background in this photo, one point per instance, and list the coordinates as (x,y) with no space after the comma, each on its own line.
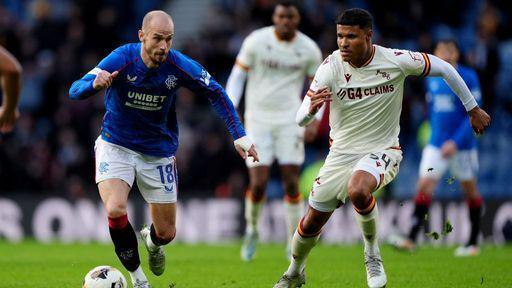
(276,61)
(452,146)
(10,77)
(367,84)
(139,136)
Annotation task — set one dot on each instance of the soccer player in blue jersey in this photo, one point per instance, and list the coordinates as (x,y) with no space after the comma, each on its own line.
(139,136)
(452,146)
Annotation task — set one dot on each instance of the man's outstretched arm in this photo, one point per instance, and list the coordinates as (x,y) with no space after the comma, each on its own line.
(478,118)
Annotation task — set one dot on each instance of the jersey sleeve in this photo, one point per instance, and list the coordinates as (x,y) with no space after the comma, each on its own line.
(412,63)
(197,79)
(246,55)
(314,61)
(323,76)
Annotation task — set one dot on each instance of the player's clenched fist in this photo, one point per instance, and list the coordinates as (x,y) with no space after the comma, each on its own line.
(104,79)
(479,120)
(318,98)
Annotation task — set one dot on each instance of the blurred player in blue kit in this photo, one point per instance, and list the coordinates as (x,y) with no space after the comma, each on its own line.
(139,135)
(452,146)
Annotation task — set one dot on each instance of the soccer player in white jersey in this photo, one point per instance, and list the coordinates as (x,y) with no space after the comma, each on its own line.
(363,84)
(276,61)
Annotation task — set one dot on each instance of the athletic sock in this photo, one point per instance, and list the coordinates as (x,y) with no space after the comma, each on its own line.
(367,221)
(125,242)
(138,275)
(154,241)
(421,206)
(475,213)
(293,209)
(301,246)
(252,212)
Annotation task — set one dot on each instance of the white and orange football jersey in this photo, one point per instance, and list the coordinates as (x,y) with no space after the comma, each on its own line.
(276,73)
(367,101)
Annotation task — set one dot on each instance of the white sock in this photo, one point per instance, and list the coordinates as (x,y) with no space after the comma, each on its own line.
(293,215)
(368,225)
(138,274)
(252,215)
(300,250)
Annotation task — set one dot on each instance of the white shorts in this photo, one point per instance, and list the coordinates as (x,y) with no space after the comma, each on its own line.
(330,187)
(157,177)
(283,142)
(463,165)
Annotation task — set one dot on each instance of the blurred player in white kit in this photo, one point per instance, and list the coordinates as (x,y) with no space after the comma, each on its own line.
(275,61)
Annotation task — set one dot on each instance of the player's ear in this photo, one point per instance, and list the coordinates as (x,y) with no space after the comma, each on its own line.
(369,34)
(141,35)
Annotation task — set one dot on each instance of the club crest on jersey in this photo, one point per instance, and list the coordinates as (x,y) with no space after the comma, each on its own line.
(131,79)
(347,77)
(205,77)
(170,82)
(384,74)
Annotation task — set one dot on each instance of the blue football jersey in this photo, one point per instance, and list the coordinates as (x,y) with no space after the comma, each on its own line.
(140,103)
(448,117)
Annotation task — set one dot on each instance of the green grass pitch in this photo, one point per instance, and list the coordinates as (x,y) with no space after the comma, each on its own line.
(31,264)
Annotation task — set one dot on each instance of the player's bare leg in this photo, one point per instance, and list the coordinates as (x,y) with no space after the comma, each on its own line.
(292,201)
(114,194)
(304,239)
(161,232)
(475,203)
(254,199)
(360,188)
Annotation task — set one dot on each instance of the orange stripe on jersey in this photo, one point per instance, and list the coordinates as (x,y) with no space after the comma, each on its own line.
(426,69)
(396,148)
(293,199)
(245,67)
(371,57)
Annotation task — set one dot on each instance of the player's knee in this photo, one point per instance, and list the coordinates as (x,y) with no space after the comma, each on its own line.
(359,196)
(291,185)
(115,210)
(258,189)
(426,186)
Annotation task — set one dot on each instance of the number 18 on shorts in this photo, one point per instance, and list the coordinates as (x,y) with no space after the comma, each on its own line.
(156,177)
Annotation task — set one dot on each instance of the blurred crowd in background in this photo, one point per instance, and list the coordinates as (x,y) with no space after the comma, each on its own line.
(58,41)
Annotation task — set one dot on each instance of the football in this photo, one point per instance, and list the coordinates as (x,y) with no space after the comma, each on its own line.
(104,277)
